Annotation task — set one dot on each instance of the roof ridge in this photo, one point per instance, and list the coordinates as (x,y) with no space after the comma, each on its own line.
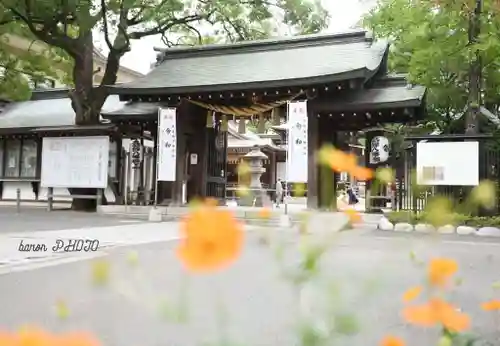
(273,43)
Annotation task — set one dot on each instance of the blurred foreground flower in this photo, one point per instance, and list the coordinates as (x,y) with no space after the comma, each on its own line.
(484,194)
(340,161)
(31,336)
(353,215)
(492,305)
(439,211)
(265,213)
(440,271)
(100,272)
(212,238)
(392,341)
(299,189)
(412,294)
(384,175)
(62,310)
(437,312)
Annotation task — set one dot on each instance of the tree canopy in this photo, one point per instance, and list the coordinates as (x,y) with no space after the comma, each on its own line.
(69,26)
(431,42)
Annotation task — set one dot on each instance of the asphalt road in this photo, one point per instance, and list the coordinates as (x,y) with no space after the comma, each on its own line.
(368,270)
(38,219)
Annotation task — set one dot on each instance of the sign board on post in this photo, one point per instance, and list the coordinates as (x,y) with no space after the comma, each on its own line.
(297,158)
(167,144)
(77,162)
(448,163)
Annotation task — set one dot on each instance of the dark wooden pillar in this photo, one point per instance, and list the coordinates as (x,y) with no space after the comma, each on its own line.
(182,124)
(197,146)
(154,133)
(327,178)
(312,148)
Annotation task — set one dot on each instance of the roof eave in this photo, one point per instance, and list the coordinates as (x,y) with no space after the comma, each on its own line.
(290,83)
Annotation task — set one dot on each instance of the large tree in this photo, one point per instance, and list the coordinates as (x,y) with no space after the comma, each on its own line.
(431,42)
(70,25)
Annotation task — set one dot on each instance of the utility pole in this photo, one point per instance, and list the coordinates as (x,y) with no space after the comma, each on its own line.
(475,69)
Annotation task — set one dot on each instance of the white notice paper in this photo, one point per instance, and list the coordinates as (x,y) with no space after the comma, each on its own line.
(167,144)
(448,163)
(79,162)
(297,142)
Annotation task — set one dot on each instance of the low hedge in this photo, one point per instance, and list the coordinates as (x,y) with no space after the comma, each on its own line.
(455,219)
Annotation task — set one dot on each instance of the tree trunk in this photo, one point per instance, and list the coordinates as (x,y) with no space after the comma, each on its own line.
(86,109)
(474,97)
(87,99)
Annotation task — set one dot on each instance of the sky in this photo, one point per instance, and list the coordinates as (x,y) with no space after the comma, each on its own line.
(344,14)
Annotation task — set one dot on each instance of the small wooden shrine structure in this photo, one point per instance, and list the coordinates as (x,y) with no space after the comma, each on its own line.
(342,76)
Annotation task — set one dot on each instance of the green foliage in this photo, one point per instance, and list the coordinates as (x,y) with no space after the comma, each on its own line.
(430,42)
(22,58)
(456,219)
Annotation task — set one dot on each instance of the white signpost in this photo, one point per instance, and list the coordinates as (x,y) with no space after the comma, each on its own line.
(448,163)
(166,147)
(75,162)
(297,160)
(296,154)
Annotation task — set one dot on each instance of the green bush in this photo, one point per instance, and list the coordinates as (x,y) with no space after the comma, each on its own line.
(455,219)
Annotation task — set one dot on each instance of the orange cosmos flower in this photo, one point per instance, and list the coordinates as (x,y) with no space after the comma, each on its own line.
(212,238)
(435,312)
(340,161)
(412,294)
(440,270)
(361,173)
(392,341)
(492,305)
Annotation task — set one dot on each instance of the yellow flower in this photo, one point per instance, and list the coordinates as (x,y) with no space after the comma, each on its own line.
(385,175)
(354,216)
(412,294)
(484,194)
(100,272)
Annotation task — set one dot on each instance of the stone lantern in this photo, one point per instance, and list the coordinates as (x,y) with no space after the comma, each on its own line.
(256,195)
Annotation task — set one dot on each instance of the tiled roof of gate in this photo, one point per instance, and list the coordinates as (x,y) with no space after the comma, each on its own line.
(391,91)
(293,61)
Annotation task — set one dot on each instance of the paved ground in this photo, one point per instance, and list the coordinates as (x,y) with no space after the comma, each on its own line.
(369,268)
(38,219)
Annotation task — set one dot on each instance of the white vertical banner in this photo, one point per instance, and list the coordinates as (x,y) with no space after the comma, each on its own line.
(297,162)
(167,144)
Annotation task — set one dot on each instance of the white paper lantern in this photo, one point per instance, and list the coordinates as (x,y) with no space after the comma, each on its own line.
(379,150)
